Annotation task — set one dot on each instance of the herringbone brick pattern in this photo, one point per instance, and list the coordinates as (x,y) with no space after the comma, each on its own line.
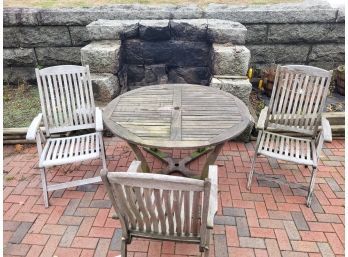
(267,221)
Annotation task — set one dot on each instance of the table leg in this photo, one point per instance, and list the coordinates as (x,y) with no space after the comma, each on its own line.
(140,157)
(211,159)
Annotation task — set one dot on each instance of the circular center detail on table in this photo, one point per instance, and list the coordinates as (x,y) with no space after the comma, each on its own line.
(176,108)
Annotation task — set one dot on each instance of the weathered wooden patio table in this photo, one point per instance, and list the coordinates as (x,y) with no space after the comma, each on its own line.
(181,116)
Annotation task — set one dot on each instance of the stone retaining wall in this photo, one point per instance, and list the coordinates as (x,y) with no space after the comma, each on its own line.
(302,33)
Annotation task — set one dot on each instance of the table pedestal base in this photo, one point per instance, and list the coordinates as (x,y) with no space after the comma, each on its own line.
(175,165)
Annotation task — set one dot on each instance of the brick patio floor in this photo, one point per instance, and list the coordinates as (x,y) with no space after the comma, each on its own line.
(267,221)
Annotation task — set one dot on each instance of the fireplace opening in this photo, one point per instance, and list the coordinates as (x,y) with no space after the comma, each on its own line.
(128,54)
(166,52)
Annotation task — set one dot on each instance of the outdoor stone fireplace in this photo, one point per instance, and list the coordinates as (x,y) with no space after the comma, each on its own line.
(127,54)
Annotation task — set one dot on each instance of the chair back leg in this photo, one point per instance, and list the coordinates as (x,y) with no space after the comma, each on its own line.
(44,186)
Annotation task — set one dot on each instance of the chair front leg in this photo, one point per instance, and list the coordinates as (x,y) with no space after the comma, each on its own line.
(44,186)
(123,247)
(251,173)
(206,249)
(102,149)
(39,136)
(311,186)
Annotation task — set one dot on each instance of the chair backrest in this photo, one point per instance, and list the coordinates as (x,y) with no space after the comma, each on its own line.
(162,205)
(66,97)
(298,98)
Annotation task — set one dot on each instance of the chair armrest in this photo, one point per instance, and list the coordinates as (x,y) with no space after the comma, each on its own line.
(213,204)
(262,118)
(98,119)
(34,126)
(326,130)
(135,167)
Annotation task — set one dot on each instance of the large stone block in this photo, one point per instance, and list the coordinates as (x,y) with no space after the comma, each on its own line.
(153,30)
(135,73)
(229,60)
(189,29)
(19,57)
(84,16)
(44,36)
(190,75)
(113,29)
(327,53)
(187,12)
(303,12)
(79,35)
(48,56)
(181,53)
(256,34)
(279,53)
(155,74)
(16,75)
(239,87)
(172,52)
(102,56)
(144,75)
(10,36)
(20,16)
(311,33)
(70,16)
(105,86)
(133,52)
(224,31)
(341,14)
(169,11)
(325,65)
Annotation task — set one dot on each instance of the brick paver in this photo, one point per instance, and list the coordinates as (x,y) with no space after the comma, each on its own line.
(268,220)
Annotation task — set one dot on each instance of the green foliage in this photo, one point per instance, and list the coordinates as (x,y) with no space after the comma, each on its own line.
(21,105)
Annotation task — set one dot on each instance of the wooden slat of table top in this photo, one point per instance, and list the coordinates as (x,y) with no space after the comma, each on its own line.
(180,115)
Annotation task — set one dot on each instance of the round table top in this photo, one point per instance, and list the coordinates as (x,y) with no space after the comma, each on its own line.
(176,116)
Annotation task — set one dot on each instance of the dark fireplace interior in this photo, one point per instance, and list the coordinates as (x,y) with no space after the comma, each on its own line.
(160,55)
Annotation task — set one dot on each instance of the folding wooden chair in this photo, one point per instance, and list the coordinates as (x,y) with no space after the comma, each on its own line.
(67,105)
(163,207)
(297,101)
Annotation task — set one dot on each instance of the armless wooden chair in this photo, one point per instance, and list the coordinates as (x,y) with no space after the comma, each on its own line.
(67,105)
(297,101)
(163,207)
